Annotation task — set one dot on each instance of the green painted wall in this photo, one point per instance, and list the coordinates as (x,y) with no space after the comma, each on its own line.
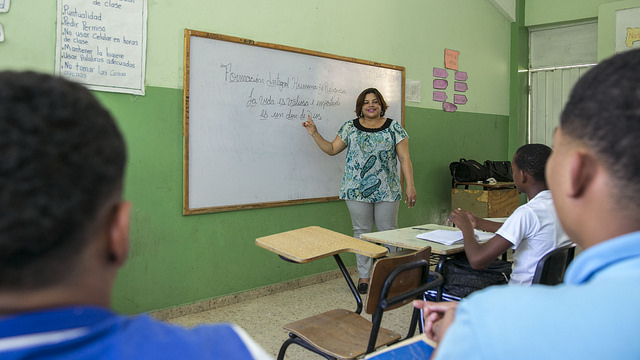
(519,85)
(179,259)
(545,12)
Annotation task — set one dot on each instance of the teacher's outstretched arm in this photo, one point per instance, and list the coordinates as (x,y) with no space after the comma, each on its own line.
(402,149)
(331,148)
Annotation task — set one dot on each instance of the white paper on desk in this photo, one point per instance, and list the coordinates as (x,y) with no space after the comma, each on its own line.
(450,237)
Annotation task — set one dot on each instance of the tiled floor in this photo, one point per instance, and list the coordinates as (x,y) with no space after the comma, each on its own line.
(264,316)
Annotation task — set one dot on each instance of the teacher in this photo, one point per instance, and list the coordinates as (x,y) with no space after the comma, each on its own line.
(371,186)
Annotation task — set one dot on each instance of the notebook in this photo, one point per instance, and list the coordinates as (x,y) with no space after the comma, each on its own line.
(415,348)
(450,237)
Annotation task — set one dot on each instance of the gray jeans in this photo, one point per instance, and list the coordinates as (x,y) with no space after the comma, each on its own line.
(363,216)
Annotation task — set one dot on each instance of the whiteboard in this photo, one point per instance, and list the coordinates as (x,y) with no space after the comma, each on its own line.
(244,104)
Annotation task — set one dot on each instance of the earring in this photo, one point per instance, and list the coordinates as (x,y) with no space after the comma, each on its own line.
(361,114)
(381,113)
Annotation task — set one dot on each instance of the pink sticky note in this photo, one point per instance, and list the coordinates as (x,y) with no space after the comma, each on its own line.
(459,99)
(439,72)
(460,86)
(449,107)
(439,96)
(440,84)
(461,75)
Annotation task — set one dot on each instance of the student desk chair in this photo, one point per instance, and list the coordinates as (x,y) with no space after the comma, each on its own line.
(342,334)
(551,268)
(313,243)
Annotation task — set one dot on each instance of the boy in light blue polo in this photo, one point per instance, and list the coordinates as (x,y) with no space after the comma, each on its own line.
(593,176)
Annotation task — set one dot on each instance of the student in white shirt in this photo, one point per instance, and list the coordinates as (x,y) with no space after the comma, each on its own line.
(531,231)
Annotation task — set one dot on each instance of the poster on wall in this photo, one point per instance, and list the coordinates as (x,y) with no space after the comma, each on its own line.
(441,83)
(102,44)
(627,29)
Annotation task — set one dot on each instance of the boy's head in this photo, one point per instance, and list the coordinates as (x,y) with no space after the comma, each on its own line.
(62,161)
(595,166)
(531,159)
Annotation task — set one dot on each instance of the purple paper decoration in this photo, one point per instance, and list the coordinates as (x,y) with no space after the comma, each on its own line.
(460,86)
(449,107)
(459,99)
(441,73)
(439,96)
(461,75)
(440,84)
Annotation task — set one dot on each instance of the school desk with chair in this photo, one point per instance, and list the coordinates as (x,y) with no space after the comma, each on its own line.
(313,243)
(361,336)
(407,238)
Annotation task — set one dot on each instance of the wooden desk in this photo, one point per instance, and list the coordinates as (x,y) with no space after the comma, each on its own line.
(406,238)
(313,243)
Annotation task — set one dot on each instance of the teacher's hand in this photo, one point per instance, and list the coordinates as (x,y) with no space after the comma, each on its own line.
(410,196)
(310,126)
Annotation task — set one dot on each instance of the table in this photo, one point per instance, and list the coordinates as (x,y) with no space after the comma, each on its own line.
(406,238)
(313,243)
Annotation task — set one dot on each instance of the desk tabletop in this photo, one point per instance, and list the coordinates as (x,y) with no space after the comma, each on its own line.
(406,238)
(313,242)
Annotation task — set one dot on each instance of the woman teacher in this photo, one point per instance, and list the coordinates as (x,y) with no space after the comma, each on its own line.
(371,186)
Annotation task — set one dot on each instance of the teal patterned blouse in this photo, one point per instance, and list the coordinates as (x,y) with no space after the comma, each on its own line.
(371,168)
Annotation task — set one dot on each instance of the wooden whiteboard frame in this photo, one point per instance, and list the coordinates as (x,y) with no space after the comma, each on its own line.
(188,33)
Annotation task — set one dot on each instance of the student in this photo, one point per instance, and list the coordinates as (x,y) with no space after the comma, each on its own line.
(593,175)
(531,231)
(64,234)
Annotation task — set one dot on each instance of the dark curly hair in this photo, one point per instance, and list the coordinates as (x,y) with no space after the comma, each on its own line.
(61,157)
(603,112)
(532,158)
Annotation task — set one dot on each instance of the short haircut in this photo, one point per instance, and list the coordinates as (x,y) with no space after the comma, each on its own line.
(360,100)
(603,113)
(62,158)
(532,158)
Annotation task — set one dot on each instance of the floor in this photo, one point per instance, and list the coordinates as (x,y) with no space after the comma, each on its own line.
(263,317)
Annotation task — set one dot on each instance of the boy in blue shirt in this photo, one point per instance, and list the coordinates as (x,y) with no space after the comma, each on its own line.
(64,233)
(593,176)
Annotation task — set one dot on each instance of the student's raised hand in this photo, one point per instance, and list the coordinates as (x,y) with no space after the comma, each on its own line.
(310,126)
(437,317)
(462,219)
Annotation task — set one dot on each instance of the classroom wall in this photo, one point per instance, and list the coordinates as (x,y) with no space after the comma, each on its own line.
(546,12)
(178,259)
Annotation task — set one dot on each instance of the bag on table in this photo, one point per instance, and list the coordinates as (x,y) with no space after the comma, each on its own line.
(500,170)
(468,171)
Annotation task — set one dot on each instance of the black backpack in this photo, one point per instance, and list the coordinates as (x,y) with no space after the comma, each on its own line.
(500,170)
(461,280)
(468,171)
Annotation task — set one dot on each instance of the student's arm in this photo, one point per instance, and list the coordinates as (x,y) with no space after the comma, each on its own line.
(331,148)
(402,149)
(487,225)
(479,255)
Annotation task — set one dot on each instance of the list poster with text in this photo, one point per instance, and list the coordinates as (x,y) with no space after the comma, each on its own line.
(102,44)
